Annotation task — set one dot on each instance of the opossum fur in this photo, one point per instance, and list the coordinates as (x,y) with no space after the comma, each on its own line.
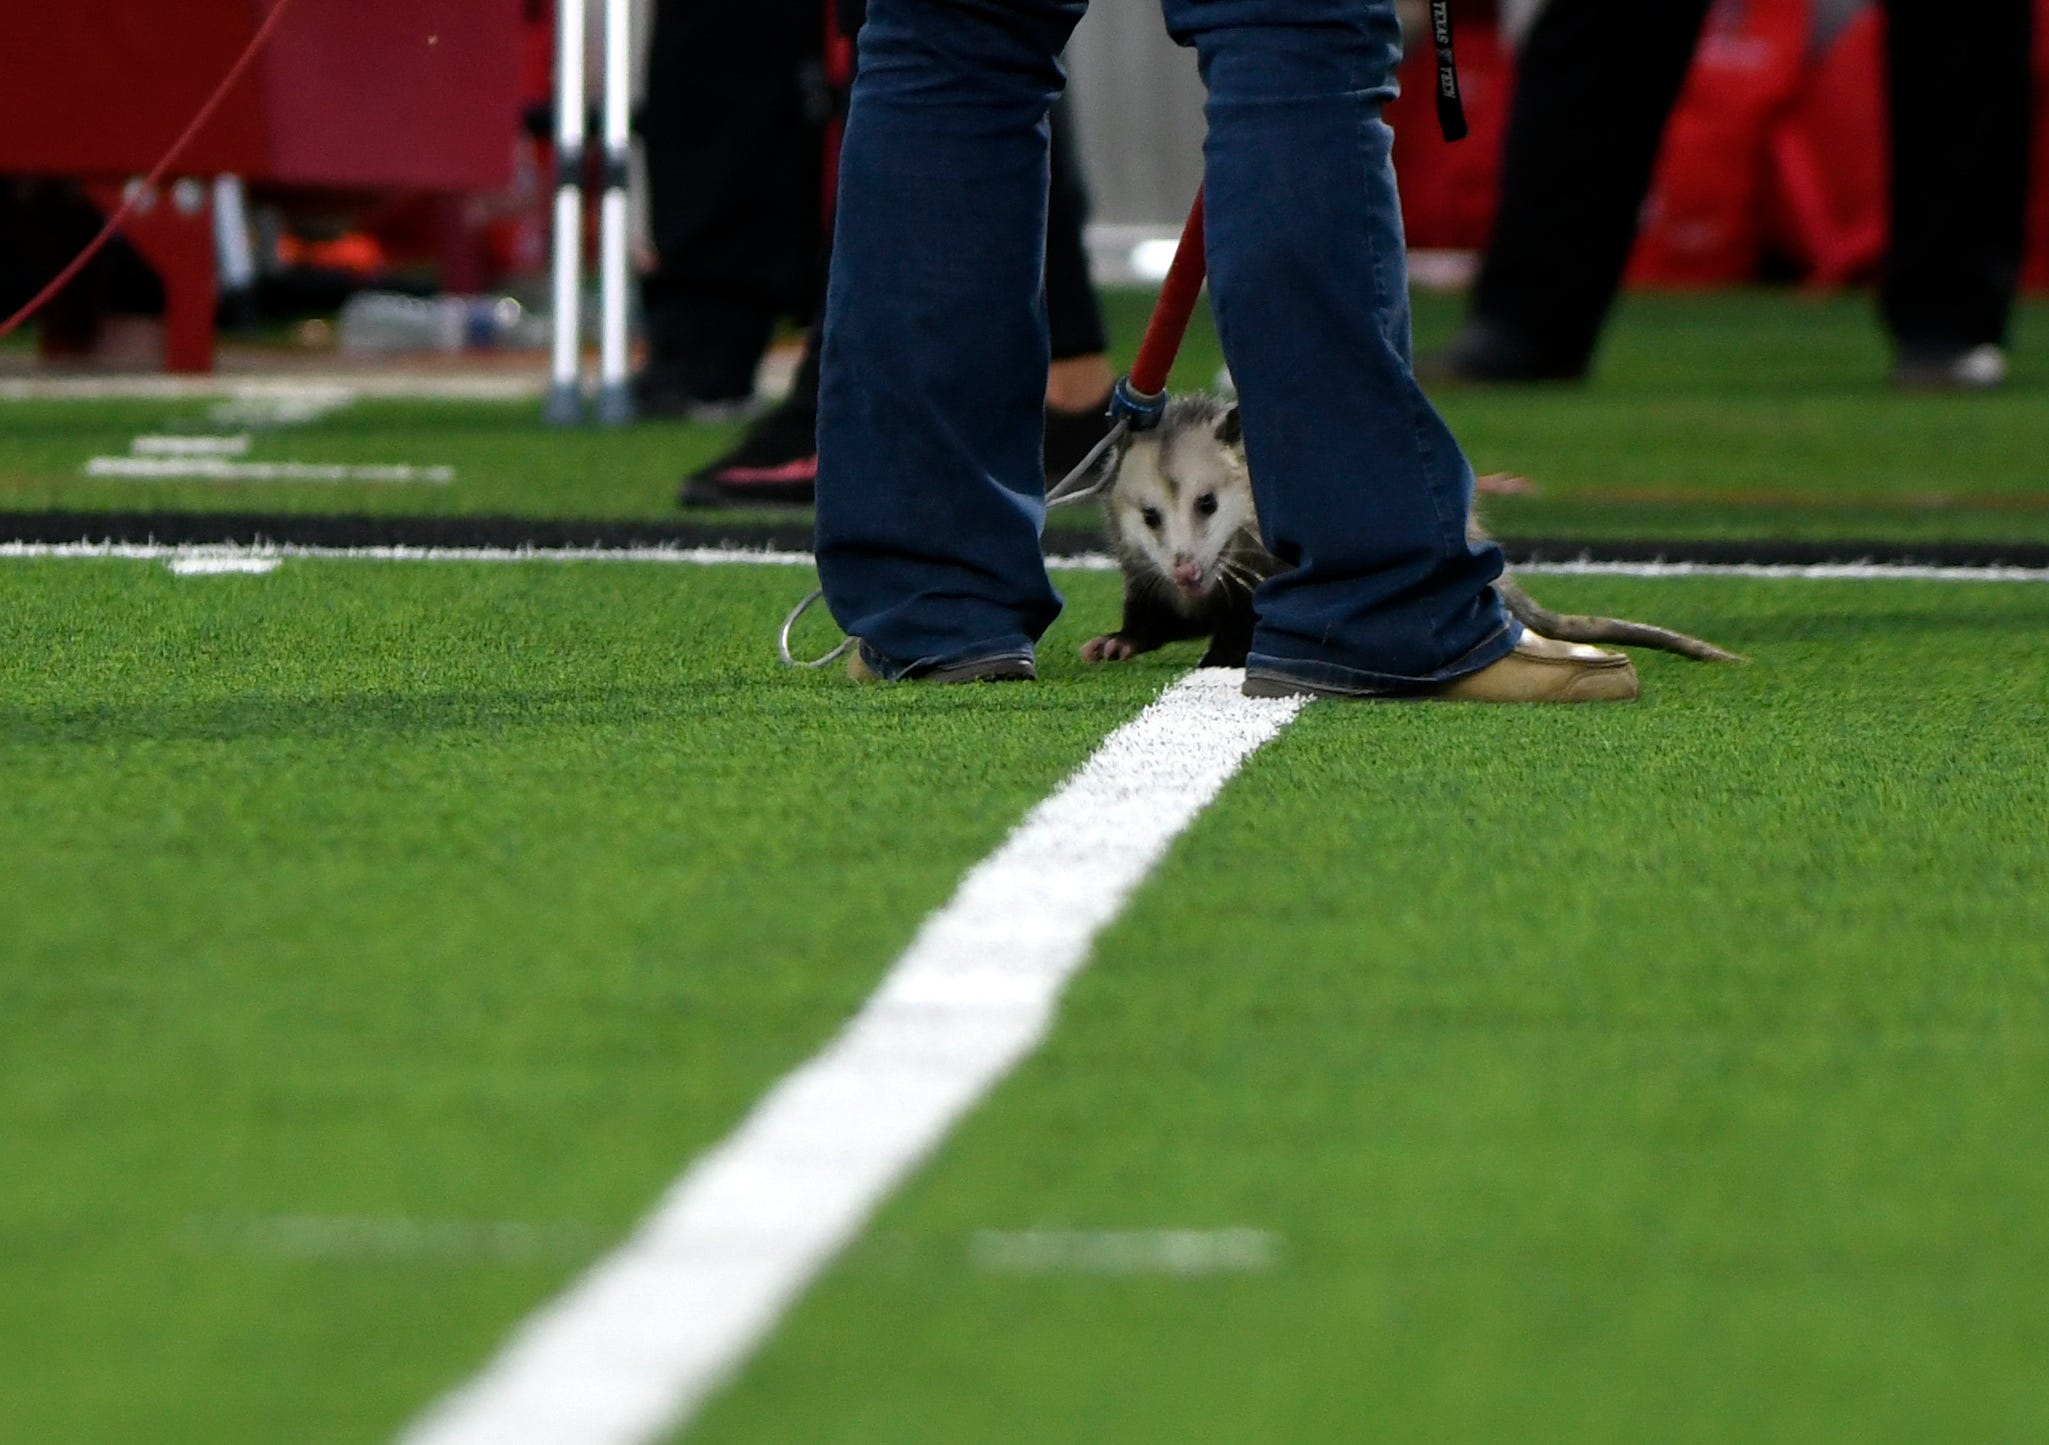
(1178,504)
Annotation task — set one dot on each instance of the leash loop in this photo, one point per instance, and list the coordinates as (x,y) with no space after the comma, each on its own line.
(782,641)
(1076,486)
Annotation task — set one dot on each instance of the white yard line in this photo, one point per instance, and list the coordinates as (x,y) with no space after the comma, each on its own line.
(1074,562)
(1789,571)
(685,556)
(170,445)
(395,384)
(220,469)
(1176,1252)
(638,1344)
(223,566)
(202,552)
(272,413)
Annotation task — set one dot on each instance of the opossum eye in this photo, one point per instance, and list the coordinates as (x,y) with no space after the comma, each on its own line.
(1206,505)
(1151,517)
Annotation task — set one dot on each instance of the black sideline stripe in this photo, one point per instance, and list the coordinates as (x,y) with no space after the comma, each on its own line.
(794,535)
(248,529)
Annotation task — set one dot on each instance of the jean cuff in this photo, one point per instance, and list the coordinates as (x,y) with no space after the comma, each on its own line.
(1364,682)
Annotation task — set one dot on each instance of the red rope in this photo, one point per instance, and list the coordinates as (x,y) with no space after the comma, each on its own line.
(136,193)
(1178,294)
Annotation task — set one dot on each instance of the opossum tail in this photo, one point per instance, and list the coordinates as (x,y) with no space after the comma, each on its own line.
(1574,627)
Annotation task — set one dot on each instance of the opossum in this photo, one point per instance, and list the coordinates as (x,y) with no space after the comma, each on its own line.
(1178,500)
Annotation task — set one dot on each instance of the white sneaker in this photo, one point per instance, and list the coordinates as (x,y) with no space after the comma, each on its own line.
(1981,368)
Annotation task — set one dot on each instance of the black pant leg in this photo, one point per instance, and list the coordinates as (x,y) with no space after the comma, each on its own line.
(1960,80)
(1072,315)
(1596,82)
(733,136)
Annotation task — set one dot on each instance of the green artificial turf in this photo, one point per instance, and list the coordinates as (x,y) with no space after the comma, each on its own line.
(1758,415)
(1729,416)
(451,903)
(1675,1072)
(505,461)
(379,940)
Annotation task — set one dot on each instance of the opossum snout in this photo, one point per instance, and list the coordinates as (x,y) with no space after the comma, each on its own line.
(1187,575)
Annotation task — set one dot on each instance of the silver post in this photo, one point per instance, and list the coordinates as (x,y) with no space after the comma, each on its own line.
(234,256)
(565,390)
(615,392)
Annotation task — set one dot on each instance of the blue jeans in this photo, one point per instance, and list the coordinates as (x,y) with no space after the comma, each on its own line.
(930,492)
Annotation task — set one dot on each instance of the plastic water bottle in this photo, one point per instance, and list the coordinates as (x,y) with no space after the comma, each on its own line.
(388,323)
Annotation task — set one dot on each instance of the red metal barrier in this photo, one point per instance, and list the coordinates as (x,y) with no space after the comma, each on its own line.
(351,95)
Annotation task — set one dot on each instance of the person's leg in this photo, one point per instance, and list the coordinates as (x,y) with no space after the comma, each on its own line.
(733,157)
(1078,386)
(1962,112)
(1595,83)
(930,494)
(775,462)
(1074,319)
(1361,489)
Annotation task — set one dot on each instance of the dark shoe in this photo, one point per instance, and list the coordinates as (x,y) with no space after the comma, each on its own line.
(664,392)
(1014,667)
(1923,367)
(1071,435)
(1485,353)
(774,465)
(1540,669)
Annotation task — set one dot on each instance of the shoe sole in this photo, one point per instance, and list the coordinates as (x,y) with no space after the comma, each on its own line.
(1602,684)
(1017,669)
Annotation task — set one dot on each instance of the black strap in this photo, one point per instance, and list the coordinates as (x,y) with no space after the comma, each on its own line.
(1451,109)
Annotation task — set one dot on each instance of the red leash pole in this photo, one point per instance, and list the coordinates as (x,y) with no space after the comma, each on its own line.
(1139,399)
(1171,313)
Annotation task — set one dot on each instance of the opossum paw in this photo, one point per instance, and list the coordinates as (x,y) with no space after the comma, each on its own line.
(1114,648)
(1222,655)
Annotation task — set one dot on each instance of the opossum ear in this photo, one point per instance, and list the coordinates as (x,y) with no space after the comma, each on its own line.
(1231,430)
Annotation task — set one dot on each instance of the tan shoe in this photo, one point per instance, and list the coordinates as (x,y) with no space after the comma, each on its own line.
(1540,669)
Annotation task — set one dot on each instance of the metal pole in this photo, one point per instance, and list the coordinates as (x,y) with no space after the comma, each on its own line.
(615,391)
(234,256)
(565,390)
